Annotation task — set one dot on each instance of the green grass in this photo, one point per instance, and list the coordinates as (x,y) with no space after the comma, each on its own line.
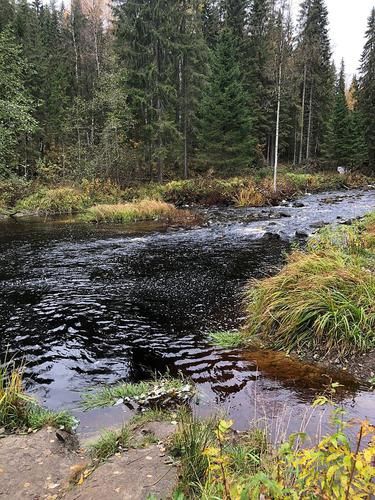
(112,442)
(192,438)
(323,299)
(231,339)
(18,411)
(108,396)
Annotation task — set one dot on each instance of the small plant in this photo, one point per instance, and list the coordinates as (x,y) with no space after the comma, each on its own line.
(228,339)
(110,443)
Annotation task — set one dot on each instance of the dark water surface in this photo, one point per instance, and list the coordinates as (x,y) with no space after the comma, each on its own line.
(86,305)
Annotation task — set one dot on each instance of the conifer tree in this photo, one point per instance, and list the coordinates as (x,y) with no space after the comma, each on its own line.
(225,128)
(367,88)
(338,132)
(357,148)
(317,77)
(258,82)
(146,31)
(192,68)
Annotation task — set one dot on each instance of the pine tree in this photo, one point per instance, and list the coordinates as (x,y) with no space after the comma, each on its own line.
(225,133)
(367,88)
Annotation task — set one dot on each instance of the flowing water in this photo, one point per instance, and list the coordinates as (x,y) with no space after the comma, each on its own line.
(85,305)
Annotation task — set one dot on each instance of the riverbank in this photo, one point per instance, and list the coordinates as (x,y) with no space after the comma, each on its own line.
(19,198)
(164,455)
(320,306)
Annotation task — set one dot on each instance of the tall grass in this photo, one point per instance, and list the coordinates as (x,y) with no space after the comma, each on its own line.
(135,211)
(19,411)
(323,299)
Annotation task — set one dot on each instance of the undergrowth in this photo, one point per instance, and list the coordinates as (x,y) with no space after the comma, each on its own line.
(215,463)
(62,200)
(252,190)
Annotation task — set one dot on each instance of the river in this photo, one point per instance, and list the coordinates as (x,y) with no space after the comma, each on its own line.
(85,305)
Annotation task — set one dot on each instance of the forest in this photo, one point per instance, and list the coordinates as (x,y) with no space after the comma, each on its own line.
(161,90)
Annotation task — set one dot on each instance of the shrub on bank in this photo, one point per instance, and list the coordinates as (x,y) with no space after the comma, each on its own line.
(323,299)
(215,463)
(12,190)
(63,200)
(134,211)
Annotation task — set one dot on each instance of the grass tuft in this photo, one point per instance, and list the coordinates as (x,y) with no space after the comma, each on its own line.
(228,339)
(146,209)
(154,393)
(18,411)
(323,299)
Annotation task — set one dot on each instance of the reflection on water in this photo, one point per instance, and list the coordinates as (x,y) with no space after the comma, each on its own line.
(87,305)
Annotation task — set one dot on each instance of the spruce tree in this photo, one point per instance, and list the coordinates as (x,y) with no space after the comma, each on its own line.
(258,82)
(145,38)
(367,88)
(225,128)
(317,77)
(357,148)
(191,71)
(338,140)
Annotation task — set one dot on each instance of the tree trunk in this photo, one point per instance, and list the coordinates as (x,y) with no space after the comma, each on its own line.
(302,114)
(277,125)
(310,124)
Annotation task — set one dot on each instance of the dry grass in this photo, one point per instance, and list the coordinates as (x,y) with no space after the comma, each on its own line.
(146,209)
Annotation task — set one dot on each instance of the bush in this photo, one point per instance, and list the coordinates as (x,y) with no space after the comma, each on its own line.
(12,190)
(63,200)
(99,191)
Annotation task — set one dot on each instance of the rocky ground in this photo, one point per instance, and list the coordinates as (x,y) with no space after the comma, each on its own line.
(51,465)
